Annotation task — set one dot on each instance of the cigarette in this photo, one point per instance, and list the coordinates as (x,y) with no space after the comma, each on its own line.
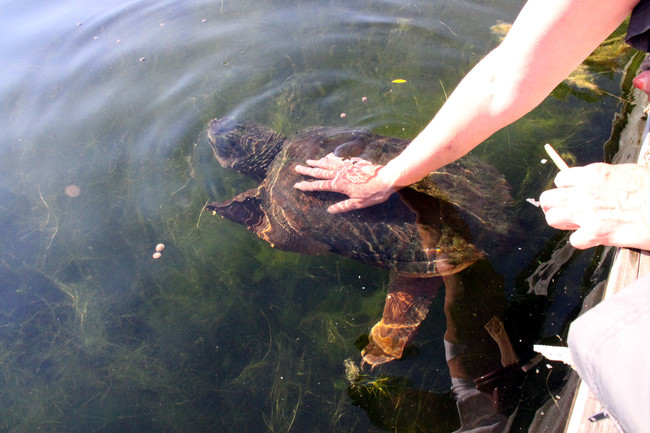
(557,159)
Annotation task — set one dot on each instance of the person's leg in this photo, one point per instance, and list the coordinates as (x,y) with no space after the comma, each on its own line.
(610,345)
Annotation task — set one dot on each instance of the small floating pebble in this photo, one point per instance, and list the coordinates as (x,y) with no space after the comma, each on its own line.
(160,247)
(157,255)
(72,191)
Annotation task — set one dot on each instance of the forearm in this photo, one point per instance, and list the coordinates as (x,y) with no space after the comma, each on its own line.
(549,39)
(467,118)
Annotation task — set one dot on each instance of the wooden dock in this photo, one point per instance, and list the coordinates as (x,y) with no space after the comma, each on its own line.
(628,266)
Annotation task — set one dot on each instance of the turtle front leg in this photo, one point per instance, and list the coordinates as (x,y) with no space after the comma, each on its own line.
(407,304)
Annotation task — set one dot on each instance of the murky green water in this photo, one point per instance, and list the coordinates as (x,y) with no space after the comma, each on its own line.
(103,106)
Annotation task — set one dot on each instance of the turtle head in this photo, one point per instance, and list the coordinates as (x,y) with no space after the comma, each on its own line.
(244,146)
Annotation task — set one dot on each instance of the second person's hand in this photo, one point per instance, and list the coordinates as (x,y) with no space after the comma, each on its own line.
(605,205)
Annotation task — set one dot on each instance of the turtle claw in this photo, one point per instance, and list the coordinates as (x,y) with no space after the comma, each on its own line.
(407,304)
(386,343)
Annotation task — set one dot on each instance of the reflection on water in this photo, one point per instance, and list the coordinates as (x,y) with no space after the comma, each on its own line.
(103,156)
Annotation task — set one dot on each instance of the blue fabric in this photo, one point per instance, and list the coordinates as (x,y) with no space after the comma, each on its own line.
(638,32)
(610,345)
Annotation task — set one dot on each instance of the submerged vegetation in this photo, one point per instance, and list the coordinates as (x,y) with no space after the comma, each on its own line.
(96,335)
(610,57)
(222,332)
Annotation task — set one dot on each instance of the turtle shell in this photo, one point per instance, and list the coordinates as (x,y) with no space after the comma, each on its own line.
(437,226)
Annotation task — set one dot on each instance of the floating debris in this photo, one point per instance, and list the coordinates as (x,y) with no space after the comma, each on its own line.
(501,29)
(555,157)
(72,191)
(398,81)
(158,250)
(533,202)
(352,371)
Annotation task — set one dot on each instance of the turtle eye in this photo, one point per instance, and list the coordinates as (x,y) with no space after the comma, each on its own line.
(230,146)
(225,136)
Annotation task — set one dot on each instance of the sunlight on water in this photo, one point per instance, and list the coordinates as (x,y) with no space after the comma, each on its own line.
(103,156)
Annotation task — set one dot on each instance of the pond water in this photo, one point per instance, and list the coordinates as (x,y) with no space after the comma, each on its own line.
(103,155)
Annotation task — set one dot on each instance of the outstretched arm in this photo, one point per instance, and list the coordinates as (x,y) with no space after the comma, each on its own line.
(548,40)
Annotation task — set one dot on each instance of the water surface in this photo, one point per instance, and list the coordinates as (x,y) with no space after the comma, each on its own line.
(103,156)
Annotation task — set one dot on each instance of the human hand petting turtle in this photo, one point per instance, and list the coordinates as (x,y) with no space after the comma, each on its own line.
(357,178)
(605,205)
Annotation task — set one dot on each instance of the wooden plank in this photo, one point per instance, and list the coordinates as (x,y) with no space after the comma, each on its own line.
(577,409)
(625,270)
(584,407)
(644,263)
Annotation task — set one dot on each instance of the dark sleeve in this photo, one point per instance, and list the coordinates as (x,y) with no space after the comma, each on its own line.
(638,32)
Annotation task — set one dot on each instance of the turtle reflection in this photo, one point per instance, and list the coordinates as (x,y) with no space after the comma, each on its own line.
(489,378)
(424,236)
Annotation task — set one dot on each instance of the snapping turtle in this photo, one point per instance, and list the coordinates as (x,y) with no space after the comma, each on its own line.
(423,234)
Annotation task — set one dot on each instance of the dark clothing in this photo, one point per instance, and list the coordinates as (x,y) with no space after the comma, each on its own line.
(638,32)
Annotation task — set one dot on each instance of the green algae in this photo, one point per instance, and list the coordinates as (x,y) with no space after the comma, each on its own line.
(222,333)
